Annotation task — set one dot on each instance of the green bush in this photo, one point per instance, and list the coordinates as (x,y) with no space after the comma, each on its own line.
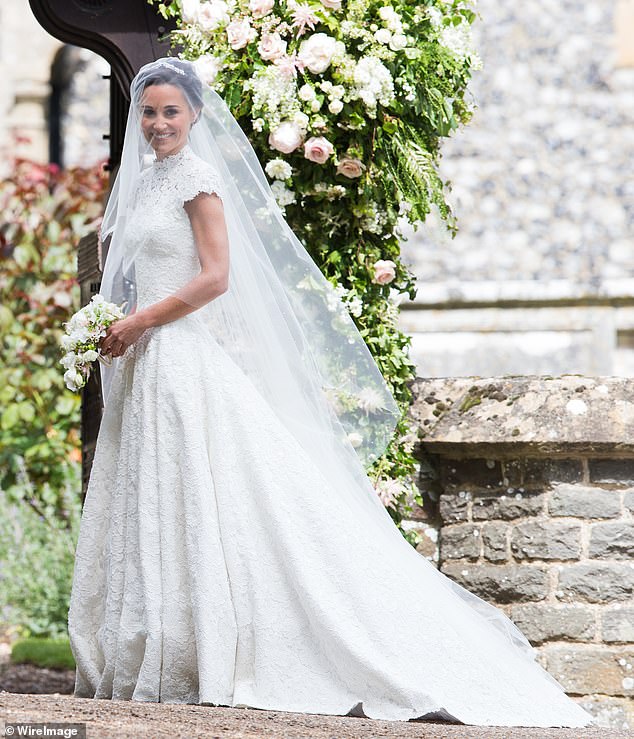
(53,653)
(45,212)
(37,559)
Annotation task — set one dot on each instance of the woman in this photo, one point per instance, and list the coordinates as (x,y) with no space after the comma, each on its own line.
(232,550)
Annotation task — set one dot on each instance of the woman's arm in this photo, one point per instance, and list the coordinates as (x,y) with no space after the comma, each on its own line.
(206,215)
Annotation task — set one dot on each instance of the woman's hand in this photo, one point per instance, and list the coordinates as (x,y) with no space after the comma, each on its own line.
(122,334)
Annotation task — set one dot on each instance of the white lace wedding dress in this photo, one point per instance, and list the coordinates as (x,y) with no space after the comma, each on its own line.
(216,565)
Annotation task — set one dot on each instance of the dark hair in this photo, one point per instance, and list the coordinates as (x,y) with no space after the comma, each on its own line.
(181,74)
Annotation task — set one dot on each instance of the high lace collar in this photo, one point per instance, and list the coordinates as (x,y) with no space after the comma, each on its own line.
(167,162)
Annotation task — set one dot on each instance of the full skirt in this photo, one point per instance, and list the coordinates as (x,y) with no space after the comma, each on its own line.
(216,565)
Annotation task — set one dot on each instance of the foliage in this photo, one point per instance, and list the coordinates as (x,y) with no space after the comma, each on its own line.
(52,653)
(345,103)
(45,213)
(37,556)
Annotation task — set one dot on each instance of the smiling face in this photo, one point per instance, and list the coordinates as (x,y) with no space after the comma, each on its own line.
(166,118)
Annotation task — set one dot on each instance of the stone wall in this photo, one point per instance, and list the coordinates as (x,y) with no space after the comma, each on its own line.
(529,487)
(540,278)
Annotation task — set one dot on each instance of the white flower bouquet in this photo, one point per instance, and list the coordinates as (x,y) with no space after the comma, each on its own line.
(80,342)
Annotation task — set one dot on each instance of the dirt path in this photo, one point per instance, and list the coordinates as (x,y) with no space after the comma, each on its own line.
(133,720)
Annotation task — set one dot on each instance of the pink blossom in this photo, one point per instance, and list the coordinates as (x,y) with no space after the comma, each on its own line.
(384,271)
(388,491)
(289,64)
(317,149)
(303,16)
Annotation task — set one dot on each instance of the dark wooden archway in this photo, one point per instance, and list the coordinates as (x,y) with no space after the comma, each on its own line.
(127,34)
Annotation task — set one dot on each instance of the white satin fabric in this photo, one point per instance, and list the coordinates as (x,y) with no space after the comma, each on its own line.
(217,564)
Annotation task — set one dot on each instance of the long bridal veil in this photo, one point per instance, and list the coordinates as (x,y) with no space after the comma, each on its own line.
(283,324)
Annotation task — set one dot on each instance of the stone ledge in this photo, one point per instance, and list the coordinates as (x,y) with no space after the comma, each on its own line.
(506,417)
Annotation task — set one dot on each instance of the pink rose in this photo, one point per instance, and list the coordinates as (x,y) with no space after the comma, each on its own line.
(286,137)
(260,8)
(213,14)
(384,271)
(272,46)
(317,149)
(239,33)
(350,167)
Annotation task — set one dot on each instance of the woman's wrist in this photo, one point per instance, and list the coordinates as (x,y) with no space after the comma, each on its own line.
(144,318)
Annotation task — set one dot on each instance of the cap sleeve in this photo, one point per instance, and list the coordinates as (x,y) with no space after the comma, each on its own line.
(201,178)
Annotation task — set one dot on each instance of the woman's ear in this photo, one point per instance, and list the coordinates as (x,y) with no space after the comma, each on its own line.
(197,118)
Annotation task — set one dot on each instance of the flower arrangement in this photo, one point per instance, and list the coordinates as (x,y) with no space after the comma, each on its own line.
(346,103)
(81,340)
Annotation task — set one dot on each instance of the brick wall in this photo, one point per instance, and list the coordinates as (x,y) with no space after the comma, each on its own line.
(542,528)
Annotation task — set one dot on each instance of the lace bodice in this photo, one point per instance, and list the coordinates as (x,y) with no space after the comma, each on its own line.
(159,233)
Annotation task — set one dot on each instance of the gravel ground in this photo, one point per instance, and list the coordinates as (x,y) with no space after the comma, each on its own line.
(134,720)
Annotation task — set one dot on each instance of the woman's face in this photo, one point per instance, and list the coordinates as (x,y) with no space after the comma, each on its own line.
(165,118)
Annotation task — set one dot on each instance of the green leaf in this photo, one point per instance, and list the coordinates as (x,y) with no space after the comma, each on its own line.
(10,416)
(67,404)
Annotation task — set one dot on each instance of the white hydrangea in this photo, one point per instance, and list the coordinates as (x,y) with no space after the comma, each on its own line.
(459,40)
(283,195)
(373,82)
(274,96)
(278,169)
(355,306)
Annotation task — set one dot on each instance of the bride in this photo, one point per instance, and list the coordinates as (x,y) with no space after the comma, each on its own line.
(232,550)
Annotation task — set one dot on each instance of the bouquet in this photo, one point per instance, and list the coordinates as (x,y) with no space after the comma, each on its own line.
(80,342)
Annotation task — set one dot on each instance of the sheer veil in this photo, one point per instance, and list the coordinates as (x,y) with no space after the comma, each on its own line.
(283,324)
(281,321)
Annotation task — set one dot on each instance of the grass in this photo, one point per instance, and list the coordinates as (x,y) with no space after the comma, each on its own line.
(53,653)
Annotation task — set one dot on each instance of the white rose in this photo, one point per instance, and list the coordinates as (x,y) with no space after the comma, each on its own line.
(189,10)
(355,439)
(383,36)
(315,106)
(260,8)
(278,169)
(213,14)
(317,51)
(332,4)
(90,355)
(306,92)
(301,119)
(286,137)
(398,42)
(239,33)
(207,68)
(66,342)
(271,46)
(387,12)
(335,106)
